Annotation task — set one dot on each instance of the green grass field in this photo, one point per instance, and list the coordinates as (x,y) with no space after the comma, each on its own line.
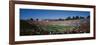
(56,28)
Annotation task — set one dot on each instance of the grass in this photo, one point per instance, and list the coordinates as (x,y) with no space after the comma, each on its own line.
(55,28)
(37,29)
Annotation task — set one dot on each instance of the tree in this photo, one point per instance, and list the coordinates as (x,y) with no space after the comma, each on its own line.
(73,18)
(31,19)
(60,19)
(68,18)
(81,17)
(88,17)
(77,17)
(37,19)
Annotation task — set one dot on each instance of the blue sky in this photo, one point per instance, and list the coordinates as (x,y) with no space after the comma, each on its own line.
(50,14)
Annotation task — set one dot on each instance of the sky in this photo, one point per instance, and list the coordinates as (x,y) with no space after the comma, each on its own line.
(50,14)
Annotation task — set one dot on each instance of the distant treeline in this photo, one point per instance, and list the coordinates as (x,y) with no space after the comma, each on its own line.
(67,18)
(76,17)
